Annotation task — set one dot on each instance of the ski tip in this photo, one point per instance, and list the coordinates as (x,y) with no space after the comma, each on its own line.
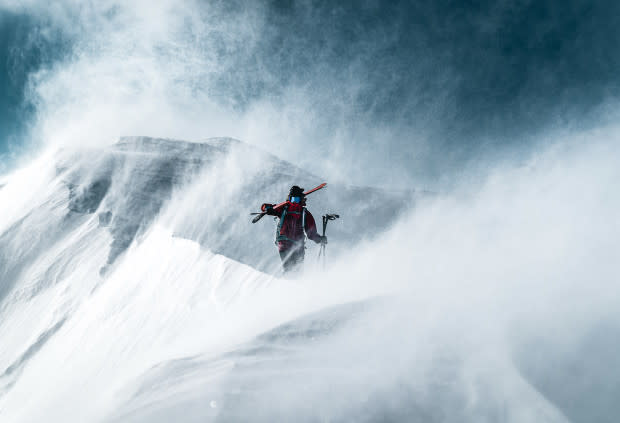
(257,217)
(323,185)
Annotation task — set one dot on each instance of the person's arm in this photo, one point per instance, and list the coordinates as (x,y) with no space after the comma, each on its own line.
(311,231)
(268,208)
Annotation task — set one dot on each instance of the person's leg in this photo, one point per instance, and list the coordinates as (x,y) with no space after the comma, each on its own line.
(286,257)
(297,258)
(292,258)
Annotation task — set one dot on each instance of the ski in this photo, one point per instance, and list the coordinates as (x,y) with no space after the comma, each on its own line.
(323,185)
(260,215)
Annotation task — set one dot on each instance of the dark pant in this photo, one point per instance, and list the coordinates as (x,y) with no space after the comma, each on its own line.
(292,258)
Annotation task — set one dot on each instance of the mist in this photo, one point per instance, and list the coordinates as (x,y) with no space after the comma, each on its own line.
(436,88)
(471,153)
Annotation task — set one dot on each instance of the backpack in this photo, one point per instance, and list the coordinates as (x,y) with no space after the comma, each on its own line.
(292,221)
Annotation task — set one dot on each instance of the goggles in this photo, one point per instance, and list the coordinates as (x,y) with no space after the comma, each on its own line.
(295,200)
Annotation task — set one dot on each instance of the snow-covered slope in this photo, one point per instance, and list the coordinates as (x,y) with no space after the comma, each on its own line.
(113,261)
(204,191)
(133,287)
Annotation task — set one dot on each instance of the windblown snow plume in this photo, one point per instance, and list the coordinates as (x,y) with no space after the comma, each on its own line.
(132,290)
(472,275)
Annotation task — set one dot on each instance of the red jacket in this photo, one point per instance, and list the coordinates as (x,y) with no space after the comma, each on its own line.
(290,227)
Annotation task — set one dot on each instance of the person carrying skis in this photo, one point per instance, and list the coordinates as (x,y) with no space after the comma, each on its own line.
(295,219)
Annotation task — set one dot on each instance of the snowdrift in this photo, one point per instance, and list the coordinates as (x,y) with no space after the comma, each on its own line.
(115,261)
(134,288)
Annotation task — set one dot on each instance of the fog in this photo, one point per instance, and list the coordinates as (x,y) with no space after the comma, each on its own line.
(493,298)
(391,95)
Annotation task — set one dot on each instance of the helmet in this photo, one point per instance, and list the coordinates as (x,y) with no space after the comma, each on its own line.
(296,193)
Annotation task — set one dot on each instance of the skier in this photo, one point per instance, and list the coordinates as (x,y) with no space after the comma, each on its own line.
(294,221)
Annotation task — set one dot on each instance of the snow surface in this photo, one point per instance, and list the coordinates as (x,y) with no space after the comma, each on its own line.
(117,263)
(134,288)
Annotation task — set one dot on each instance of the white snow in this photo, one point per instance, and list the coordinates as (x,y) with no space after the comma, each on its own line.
(116,304)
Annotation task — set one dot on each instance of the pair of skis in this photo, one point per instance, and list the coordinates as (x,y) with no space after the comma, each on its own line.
(260,215)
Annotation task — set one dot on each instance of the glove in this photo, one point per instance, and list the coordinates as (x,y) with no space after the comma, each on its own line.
(323,239)
(266,207)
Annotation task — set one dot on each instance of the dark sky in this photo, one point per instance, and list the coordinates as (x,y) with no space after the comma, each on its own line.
(12,75)
(467,71)
(473,75)
(24,49)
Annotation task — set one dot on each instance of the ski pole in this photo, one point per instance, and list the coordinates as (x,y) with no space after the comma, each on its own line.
(322,247)
(326,219)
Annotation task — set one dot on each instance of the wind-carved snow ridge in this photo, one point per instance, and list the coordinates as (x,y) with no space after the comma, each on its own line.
(99,245)
(215,184)
(133,287)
